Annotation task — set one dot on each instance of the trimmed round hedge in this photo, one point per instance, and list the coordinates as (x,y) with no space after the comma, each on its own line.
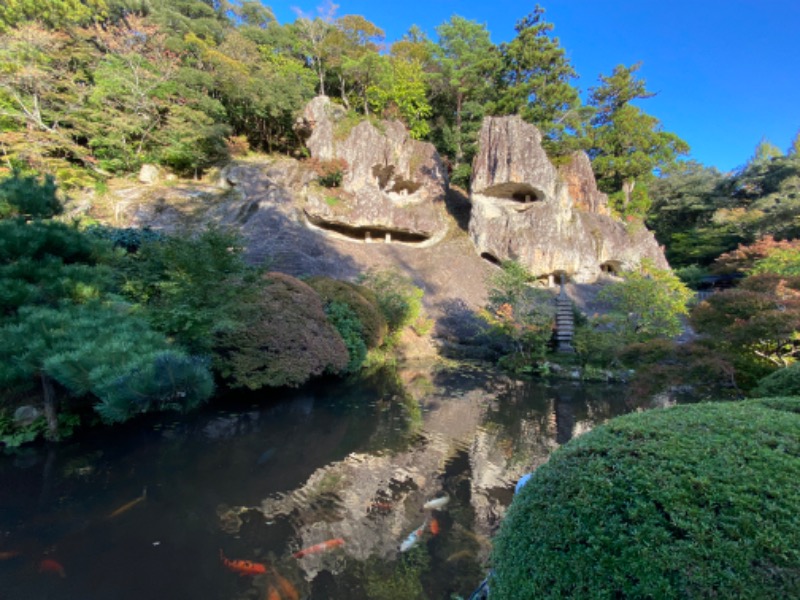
(696,501)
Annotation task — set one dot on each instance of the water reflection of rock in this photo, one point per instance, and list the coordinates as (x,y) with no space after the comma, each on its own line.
(473,446)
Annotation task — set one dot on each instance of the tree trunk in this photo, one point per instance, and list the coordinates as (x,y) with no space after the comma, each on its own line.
(50,408)
(627,190)
(459,146)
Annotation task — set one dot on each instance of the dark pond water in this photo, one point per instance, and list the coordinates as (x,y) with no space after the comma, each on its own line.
(143,511)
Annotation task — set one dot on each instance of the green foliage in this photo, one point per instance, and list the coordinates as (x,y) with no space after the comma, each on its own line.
(43,262)
(168,380)
(468,67)
(400,90)
(55,13)
(647,304)
(782,261)
(330,173)
(537,75)
(626,143)
(696,501)
(283,339)
(783,382)
(25,196)
(521,314)
(398,298)
(129,239)
(102,351)
(361,300)
(691,275)
(346,322)
(404,580)
(192,287)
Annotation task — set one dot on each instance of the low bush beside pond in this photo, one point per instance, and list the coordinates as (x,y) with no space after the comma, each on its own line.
(696,501)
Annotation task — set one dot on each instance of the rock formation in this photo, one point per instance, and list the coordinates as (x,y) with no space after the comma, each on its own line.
(393,187)
(553,221)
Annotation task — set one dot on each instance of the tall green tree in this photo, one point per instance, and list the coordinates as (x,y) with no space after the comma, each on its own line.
(627,144)
(400,91)
(538,78)
(469,63)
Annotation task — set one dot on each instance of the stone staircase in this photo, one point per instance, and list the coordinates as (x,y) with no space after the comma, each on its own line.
(565,323)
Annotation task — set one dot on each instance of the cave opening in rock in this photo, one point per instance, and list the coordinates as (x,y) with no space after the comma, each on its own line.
(491,258)
(518,192)
(369,234)
(611,267)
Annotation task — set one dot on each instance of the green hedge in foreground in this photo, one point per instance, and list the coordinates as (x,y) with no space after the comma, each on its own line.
(696,501)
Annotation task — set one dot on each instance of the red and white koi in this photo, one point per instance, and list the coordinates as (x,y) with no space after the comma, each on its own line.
(413,538)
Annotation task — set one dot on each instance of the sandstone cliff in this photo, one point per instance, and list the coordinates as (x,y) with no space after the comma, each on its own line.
(553,221)
(393,188)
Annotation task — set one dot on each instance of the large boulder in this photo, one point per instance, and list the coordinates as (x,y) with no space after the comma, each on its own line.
(552,221)
(393,187)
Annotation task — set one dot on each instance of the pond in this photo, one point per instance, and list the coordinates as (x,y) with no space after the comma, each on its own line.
(147,509)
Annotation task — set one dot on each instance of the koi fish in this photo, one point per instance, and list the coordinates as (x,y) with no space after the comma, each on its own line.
(434,527)
(414,537)
(128,505)
(9,554)
(287,590)
(272,593)
(436,503)
(243,567)
(321,547)
(48,565)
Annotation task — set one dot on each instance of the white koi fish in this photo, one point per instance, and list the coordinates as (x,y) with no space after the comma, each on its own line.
(414,537)
(436,503)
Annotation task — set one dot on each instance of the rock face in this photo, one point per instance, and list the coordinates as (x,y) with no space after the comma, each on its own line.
(393,188)
(552,221)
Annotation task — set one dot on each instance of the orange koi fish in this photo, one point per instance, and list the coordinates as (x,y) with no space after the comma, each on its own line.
(48,565)
(128,505)
(9,554)
(272,593)
(321,547)
(434,527)
(287,590)
(243,567)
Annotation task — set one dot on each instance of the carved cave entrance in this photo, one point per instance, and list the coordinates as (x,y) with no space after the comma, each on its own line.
(369,234)
(523,193)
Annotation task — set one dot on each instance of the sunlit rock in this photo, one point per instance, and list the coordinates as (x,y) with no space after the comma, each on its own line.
(552,221)
(393,186)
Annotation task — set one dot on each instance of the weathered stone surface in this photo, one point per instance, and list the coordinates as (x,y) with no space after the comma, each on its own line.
(511,162)
(393,188)
(149,174)
(524,209)
(581,185)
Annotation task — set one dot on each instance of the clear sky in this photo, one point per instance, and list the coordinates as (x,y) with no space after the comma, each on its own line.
(726,72)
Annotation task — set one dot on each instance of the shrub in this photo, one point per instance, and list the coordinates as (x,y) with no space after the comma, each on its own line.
(25,196)
(360,299)
(783,382)
(284,338)
(697,501)
(238,145)
(346,322)
(524,315)
(330,173)
(398,298)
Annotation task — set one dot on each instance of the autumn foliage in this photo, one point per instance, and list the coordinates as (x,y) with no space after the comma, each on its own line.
(286,341)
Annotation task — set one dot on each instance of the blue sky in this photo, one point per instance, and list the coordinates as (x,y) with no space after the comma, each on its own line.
(726,72)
